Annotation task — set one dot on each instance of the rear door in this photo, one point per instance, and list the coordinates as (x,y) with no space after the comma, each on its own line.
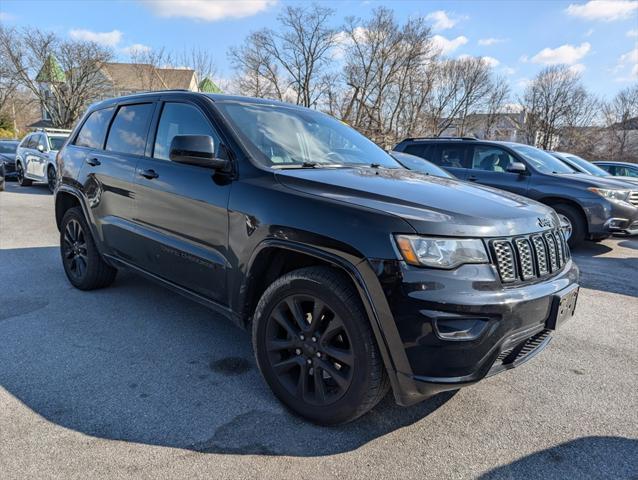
(181,210)
(453,157)
(109,171)
(30,156)
(489,166)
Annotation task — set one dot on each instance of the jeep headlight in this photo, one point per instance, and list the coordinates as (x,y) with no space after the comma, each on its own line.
(621,195)
(441,252)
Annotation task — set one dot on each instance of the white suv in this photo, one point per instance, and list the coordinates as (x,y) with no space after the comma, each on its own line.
(35,158)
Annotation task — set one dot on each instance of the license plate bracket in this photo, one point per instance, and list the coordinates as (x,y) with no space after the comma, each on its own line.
(563,307)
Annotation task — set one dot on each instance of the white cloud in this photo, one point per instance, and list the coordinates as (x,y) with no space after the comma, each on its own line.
(446,46)
(441,20)
(606,10)
(627,66)
(136,49)
(632,33)
(568,54)
(343,40)
(589,32)
(486,42)
(509,71)
(577,68)
(109,39)
(5,17)
(208,11)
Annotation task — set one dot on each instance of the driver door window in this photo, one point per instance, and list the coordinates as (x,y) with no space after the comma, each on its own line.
(491,159)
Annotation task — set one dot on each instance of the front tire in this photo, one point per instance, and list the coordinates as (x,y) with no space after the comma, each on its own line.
(572,219)
(51,178)
(315,348)
(24,182)
(83,265)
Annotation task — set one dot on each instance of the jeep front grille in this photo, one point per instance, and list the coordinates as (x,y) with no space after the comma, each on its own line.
(529,257)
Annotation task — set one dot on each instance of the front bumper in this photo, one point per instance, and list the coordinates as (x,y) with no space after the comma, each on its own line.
(457,327)
(606,217)
(10,170)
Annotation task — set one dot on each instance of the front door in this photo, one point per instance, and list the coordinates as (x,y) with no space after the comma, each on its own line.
(489,167)
(181,209)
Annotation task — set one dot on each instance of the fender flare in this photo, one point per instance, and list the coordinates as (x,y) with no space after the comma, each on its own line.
(378,312)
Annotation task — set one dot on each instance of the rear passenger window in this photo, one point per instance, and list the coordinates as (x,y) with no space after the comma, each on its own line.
(93,131)
(422,151)
(129,129)
(452,156)
(180,119)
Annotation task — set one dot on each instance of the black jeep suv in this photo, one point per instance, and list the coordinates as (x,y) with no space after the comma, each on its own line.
(353,273)
(588,207)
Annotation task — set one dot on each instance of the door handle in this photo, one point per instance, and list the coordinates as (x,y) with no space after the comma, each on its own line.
(472,178)
(150,174)
(94,162)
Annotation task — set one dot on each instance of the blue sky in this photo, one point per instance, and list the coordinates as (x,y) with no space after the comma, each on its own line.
(598,38)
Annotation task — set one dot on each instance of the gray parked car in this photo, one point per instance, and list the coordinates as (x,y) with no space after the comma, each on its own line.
(35,158)
(622,170)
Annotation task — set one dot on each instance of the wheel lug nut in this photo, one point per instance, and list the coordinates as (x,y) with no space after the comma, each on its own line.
(319,354)
(314,339)
(301,337)
(298,351)
(308,361)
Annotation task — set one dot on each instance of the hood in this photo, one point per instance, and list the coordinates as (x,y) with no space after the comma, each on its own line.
(588,180)
(628,181)
(431,205)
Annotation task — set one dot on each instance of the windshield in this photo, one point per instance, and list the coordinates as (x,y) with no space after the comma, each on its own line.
(285,137)
(587,166)
(55,143)
(418,164)
(542,161)
(8,147)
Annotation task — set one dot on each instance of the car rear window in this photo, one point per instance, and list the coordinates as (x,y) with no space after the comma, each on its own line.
(130,128)
(93,131)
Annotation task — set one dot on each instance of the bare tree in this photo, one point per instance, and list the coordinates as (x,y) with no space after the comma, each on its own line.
(387,73)
(555,101)
(65,75)
(148,64)
(291,62)
(620,115)
(496,102)
(200,60)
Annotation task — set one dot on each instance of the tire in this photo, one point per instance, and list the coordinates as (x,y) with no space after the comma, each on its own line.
(23,182)
(51,178)
(578,224)
(83,265)
(345,350)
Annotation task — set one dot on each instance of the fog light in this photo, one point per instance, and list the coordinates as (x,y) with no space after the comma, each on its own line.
(616,223)
(462,329)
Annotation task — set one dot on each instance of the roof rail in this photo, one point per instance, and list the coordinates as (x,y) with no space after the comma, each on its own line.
(440,138)
(52,130)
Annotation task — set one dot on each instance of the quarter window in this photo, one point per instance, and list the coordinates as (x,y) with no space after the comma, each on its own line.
(93,131)
(130,129)
(452,156)
(491,159)
(180,119)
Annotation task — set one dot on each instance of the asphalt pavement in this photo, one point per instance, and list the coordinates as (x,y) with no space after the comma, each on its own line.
(134,381)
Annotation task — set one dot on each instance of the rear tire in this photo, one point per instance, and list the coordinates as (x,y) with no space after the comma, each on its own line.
(315,348)
(83,265)
(578,223)
(24,182)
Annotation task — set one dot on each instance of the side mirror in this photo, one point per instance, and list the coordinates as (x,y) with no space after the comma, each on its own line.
(517,167)
(40,148)
(198,150)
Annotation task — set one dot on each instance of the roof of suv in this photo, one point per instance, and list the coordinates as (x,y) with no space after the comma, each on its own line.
(458,139)
(612,162)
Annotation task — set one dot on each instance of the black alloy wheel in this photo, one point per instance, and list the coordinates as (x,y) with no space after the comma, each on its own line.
(309,349)
(24,182)
(75,250)
(51,178)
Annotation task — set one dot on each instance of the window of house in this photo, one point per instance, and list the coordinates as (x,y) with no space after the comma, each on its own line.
(180,119)
(130,129)
(93,131)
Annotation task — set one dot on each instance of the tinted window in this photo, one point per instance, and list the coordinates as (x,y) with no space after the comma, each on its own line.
(418,164)
(8,147)
(626,171)
(491,159)
(419,150)
(93,131)
(129,129)
(180,119)
(588,166)
(26,141)
(452,156)
(55,143)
